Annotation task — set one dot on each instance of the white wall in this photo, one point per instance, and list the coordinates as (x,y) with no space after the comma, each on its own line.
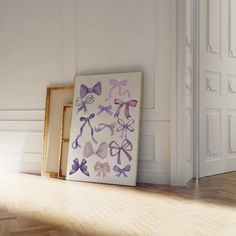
(47,42)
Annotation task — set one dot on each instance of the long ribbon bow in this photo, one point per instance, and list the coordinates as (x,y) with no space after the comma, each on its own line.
(115,149)
(76,166)
(82,103)
(96,89)
(102,126)
(120,171)
(102,168)
(124,127)
(86,120)
(101,151)
(106,109)
(118,84)
(130,103)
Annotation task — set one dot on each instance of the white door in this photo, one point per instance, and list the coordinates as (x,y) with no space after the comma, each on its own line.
(217,86)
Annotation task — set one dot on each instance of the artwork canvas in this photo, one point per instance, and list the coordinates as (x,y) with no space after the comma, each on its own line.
(104,135)
(64,140)
(57,96)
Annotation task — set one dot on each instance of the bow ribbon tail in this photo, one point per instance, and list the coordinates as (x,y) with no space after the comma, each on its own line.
(118,158)
(118,111)
(110,91)
(127,154)
(75,143)
(80,108)
(92,132)
(123,172)
(126,91)
(99,172)
(99,112)
(127,115)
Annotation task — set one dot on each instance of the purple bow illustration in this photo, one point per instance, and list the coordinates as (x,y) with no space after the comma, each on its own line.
(120,171)
(101,151)
(118,84)
(106,109)
(102,126)
(130,103)
(82,103)
(76,166)
(102,168)
(96,89)
(124,127)
(86,120)
(115,149)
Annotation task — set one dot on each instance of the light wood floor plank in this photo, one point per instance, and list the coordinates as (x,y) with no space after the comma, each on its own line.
(38,206)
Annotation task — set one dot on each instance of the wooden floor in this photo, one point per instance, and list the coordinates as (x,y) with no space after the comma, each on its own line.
(33,205)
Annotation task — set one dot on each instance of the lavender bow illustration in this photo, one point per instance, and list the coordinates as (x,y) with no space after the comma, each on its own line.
(118,84)
(124,127)
(82,103)
(106,109)
(120,171)
(101,151)
(115,150)
(130,103)
(86,120)
(76,166)
(96,89)
(102,168)
(102,126)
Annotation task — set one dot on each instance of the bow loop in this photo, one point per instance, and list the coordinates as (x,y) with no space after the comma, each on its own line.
(102,126)
(86,120)
(120,171)
(102,168)
(115,150)
(128,104)
(124,127)
(82,167)
(82,103)
(96,89)
(118,84)
(106,109)
(101,151)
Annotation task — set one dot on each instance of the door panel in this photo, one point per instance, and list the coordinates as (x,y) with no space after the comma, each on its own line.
(217,86)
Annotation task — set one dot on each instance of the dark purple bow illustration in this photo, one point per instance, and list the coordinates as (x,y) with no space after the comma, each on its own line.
(102,168)
(115,149)
(86,120)
(96,89)
(102,126)
(82,103)
(120,171)
(130,103)
(119,85)
(76,166)
(106,109)
(124,127)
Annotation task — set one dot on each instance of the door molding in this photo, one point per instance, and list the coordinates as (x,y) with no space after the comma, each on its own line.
(177,99)
(179,173)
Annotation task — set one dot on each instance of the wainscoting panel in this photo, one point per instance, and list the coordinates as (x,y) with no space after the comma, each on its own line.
(214,26)
(213,133)
(232,24)
(21,140)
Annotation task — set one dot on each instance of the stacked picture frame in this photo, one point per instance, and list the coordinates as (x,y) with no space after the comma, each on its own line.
(92,129)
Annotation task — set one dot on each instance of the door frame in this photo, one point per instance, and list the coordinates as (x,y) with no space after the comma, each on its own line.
(178,83)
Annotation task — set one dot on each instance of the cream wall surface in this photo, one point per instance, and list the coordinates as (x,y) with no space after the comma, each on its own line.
(46,43)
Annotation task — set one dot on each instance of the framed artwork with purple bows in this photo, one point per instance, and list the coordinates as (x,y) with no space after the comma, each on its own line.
(104,134)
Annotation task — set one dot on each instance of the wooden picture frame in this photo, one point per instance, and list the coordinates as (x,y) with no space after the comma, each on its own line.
(64,140)
(57,97)
(105,126)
